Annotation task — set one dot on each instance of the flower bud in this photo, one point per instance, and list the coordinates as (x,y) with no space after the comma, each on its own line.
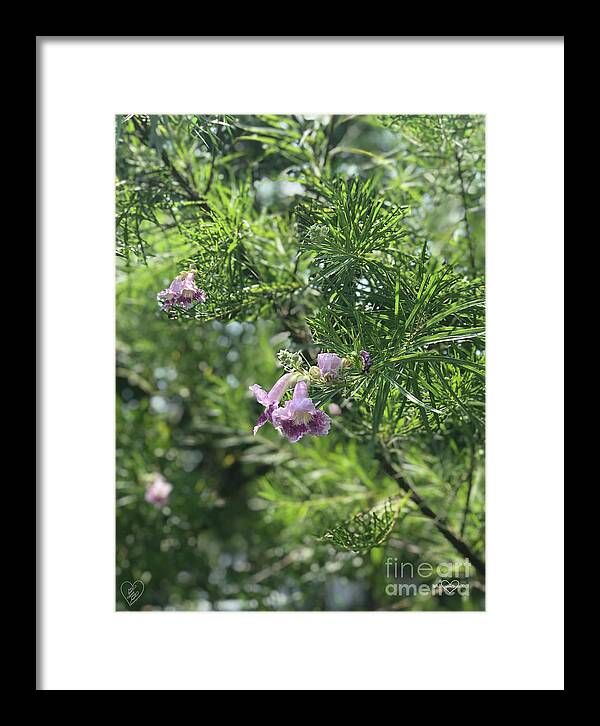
(315,373)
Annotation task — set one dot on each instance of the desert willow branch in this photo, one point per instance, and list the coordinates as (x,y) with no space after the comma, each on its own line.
(187,187)
(459,544)
(465,204)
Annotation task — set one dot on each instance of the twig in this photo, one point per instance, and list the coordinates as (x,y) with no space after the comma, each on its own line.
(182,181)
(457,542)
(294,556)
(330,128)
(190,192)
(210,173)
(469,488)
(465,219)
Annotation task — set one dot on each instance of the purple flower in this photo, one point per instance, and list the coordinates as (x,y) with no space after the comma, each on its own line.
(296,417)
(271,399)
(182,291)
(329,364)
(299,416)
(366,360)
(158,492)
(334,409)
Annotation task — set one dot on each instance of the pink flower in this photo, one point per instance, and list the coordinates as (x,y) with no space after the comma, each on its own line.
(182,291)
(329,364)
(299,416)
(334,409)
(271,399)
(158,492)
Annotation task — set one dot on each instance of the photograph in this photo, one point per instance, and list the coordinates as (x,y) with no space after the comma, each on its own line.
(300,362)
(300,378)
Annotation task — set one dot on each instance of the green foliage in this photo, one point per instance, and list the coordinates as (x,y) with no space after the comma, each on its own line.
(442,177)
(422,323)
(308,234)
(365,530)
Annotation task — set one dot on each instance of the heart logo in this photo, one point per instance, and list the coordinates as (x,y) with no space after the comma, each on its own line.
(132,592)
(449,586)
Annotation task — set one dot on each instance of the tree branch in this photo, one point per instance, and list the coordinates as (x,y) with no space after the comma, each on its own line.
(465,219)
(469,489)
(459,544)
(330,129)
